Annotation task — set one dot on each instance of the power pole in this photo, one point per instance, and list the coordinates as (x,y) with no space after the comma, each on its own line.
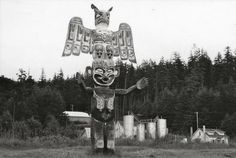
(13,120)
(191,132)
(124,97)
(197,118)
(13,115)
(72,107)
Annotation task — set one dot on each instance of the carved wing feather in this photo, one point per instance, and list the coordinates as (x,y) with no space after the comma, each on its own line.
(78,38)
(123,43)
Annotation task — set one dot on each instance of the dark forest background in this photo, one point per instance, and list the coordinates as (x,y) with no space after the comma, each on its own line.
(176,91)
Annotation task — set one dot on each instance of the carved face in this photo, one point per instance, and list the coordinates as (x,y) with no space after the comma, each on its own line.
(103,52)
(101,17)
(109,50)
(99,51)
(104,76)
(103,72)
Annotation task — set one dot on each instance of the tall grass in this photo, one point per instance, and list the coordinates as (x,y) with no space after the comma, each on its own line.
(172,142)
(57,141)
(44,142)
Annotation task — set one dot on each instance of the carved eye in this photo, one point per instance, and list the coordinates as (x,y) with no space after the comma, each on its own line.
(99,71)
(110,71)
(98,15)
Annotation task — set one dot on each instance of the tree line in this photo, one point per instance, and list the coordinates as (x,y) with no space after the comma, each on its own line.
(177,89)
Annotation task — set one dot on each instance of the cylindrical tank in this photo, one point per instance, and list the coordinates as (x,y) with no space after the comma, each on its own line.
(141,132)
(151,129)
(135,131)
(161,128)
(128,125)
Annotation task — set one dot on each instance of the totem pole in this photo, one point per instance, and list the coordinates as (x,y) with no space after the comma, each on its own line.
(103,45)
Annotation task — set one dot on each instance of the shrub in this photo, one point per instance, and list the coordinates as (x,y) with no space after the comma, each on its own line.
(21,129)
(52,126)
(35,127)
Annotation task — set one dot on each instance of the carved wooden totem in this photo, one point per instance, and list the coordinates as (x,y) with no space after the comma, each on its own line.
(103,45)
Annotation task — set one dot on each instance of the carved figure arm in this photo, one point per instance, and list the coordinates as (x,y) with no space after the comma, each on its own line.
(82,84)
(142,83)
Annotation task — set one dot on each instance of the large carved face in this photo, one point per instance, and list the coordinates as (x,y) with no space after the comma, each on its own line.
(104,72)
(104,76)
(101,17)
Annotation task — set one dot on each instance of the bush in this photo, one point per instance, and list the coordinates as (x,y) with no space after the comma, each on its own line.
(6,121)
(21,129)
(229,124)
(232,142)
(35,127)
(72,131)
(52,126)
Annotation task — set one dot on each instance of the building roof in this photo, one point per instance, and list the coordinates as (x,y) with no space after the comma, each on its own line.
(218,131)
(214,133)
(76,114)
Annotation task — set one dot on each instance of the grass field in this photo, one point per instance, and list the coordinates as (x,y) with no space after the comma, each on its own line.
(121,151)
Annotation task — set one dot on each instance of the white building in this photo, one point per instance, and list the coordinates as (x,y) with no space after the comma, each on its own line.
(81,120)
(77,116)
(207,135)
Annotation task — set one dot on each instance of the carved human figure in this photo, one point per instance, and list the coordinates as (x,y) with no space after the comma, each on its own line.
(102,103)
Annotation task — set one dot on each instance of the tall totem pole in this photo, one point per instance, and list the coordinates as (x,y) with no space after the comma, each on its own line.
(103,45)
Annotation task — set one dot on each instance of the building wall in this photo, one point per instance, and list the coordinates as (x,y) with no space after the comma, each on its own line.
(210,139)
(225,140)
(198,135)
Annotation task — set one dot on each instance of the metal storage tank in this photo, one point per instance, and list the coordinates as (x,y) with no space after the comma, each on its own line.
(88,132)
(135,131)
(161,128)
(151,129)
(128,125)
(141,132)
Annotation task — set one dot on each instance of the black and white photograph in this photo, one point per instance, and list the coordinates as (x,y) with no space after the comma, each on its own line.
(118,79)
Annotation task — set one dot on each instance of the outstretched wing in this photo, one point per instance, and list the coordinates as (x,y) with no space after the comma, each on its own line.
(123,43)
(78,38)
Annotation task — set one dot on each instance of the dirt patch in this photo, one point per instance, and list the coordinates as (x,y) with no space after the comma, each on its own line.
(121,152)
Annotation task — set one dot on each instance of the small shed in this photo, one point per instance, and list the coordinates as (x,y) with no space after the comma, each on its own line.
(81,120)
(207,135)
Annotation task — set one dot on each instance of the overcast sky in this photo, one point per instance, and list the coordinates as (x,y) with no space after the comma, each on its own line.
(33,32)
